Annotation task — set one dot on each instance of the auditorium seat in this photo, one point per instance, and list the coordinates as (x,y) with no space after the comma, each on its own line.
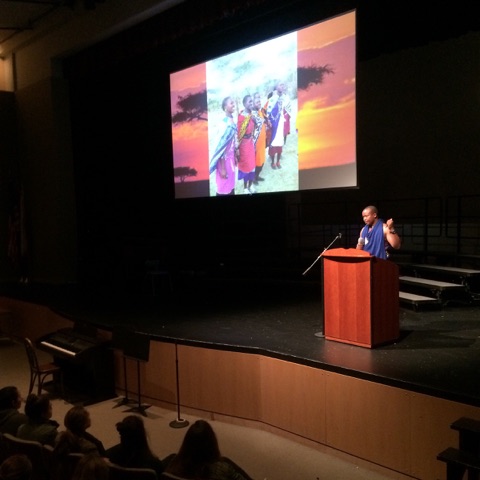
(61,469)
(33,450)
(3,449)
(116,472)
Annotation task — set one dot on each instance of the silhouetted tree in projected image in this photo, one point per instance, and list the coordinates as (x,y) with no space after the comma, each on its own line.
(308,76)
(191,107)
(184,172)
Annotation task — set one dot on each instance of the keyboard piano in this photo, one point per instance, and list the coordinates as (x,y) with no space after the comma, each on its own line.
(67,343)
(86,361)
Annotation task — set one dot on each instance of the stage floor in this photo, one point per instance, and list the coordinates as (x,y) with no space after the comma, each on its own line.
(438,352)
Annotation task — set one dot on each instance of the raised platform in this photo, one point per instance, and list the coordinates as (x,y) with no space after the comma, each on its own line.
(438,352)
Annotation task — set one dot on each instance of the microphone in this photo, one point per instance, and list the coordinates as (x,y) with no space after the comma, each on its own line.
(361,241)
(324,250)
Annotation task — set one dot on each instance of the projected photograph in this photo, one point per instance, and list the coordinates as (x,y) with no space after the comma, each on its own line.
(275,117)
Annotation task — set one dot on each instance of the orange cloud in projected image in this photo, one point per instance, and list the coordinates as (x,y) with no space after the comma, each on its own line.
(326,111)
(190,138)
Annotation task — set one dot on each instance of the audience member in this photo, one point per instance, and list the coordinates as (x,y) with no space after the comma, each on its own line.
(16,467)
(199,457)
(10,417)
(39,427)
(75,439)
(133,450)
(91,467)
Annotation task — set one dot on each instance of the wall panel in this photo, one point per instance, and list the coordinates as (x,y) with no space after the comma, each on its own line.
(293,398)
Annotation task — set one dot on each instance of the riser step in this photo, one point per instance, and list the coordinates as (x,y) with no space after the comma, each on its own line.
(433,284)
(458,462)
(418,301)
(461,272)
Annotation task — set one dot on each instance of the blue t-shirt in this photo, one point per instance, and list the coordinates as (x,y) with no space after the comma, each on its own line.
(375,243)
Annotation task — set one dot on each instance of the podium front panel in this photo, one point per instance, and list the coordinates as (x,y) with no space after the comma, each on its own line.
(360,298)
(347,300)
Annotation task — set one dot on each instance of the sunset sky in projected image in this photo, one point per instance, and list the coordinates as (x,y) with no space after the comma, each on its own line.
(326,112)
(190,139)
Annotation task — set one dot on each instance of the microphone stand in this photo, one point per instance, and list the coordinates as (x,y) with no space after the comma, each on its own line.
(320,256)
(179,422)
(321,334)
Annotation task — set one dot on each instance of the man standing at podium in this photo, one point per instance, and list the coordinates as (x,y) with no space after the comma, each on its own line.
(376,236)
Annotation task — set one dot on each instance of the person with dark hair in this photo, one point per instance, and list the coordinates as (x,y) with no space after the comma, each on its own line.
(39,427)
(199,457)
(261,143)
(133,450)
(278,110)
(16,467)
(10,417)
(76,439)
(246,131)
(91,467)
(377,236)
(223,160)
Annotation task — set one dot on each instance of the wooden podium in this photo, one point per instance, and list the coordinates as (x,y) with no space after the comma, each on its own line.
(360,298)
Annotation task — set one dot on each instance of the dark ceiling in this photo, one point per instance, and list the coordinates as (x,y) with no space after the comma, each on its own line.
(26,15)
(384,26)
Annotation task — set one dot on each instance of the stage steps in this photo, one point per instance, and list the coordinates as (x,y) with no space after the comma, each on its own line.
(465,458)
(418,301)
(468,277)
(426,284)
(469,434)
(459,462)
(445,292)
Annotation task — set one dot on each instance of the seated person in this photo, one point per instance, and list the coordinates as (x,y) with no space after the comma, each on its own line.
(39,427)
(133,450)
(16,467)
(91,466)
(76,439)
(199,457)
(10,417)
